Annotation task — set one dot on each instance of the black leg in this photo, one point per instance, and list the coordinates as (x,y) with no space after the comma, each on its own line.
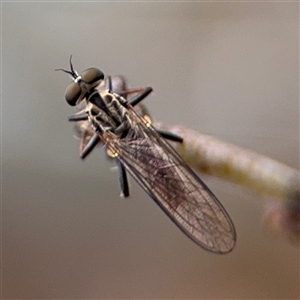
(95,139)
(80,117)
(123,179)
(138,98)
(170,136)
(109,84)
(127,92)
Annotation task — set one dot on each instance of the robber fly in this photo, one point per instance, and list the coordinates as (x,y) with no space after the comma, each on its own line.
(144,152)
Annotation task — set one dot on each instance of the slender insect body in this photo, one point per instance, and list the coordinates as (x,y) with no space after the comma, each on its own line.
(143,151)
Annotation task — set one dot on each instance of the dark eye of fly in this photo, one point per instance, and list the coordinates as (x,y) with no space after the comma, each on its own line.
(92,75)
(73,92)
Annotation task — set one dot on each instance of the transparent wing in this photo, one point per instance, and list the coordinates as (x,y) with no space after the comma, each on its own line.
(173,186)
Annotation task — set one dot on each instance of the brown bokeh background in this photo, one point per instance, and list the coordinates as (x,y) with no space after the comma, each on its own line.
(227,69)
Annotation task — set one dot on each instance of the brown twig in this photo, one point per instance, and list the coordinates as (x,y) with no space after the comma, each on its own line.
(210,155)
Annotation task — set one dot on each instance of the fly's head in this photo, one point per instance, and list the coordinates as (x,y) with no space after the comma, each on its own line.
(82,85)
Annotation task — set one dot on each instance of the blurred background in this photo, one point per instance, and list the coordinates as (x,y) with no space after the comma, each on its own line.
(226,69)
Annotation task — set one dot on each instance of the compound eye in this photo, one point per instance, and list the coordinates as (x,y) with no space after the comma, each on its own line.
(73,93)
(92,75)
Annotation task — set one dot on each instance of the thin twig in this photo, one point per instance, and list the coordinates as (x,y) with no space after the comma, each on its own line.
(215,157)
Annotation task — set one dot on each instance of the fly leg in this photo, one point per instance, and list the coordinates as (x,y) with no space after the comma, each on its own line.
(118,85)
(165,134)
(87,143)
(87,148)
(170,136)
(123,179)
(139,97)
